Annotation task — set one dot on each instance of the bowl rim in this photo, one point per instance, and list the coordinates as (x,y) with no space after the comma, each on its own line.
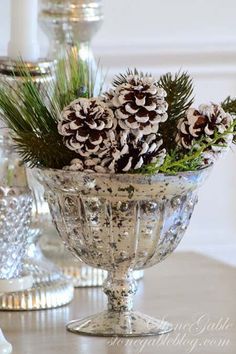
(123,175)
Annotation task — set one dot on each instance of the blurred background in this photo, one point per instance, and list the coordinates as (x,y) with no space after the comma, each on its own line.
(156,36)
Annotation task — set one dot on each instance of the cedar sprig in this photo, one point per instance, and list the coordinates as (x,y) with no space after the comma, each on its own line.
(229,106)
(178,160)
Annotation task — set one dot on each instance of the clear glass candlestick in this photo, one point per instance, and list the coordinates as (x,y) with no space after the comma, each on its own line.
(70,26)
(15,217)
(15,212)
(67,23)
(121,223)
(50,288)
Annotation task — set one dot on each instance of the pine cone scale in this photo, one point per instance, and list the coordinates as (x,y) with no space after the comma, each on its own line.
(150,106)
(131,108)
(142,118)
(81,136)
(140,102)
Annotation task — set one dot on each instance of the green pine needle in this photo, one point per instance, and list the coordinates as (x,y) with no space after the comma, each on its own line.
(47,150)
(72,78)
(229,105)
(179,89)
(32,113)
(122,78)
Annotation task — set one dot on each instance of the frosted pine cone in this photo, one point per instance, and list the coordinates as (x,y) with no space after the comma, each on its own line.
(138,103)
(86,125)
(131,154)
(203,124)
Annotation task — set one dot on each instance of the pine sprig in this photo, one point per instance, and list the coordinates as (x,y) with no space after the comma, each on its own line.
(229,105)
(37,151)
(32,112)
(22,112)
(72,80)
(179,89)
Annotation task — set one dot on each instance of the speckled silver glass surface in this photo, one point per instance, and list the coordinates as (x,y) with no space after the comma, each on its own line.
(120,223)
(50,243)
(81,274)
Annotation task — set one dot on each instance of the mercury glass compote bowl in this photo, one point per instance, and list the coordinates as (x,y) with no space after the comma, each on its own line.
(121,222)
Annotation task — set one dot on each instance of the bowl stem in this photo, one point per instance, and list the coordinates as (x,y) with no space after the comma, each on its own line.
(120,288)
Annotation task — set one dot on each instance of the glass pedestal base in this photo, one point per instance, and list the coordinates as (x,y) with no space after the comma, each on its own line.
(119,324)
(50,289)
(41,296)
(16,284)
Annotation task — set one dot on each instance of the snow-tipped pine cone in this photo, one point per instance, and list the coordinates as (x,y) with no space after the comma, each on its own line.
(201,125)
(86,125)
(138,103)
(132,154)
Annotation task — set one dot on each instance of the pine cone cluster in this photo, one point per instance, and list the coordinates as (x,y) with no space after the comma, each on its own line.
(122,131)
(119,132)
(200,126)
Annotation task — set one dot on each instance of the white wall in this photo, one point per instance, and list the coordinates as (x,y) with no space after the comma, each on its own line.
(199,36)
(128,20)
(159,36)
